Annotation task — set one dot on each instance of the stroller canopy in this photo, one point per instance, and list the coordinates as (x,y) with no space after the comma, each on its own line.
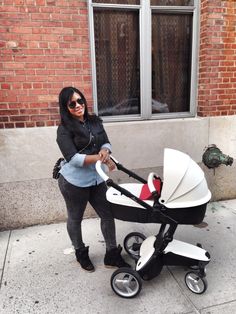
(184,183)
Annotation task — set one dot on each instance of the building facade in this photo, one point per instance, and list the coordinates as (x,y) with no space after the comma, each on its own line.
(161,73)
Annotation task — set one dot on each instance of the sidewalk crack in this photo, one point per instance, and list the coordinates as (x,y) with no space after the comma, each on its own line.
(183,293)
(4,262)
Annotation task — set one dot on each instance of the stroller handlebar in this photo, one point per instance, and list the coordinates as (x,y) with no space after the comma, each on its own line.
(115,160)
(100,171)
(119,167)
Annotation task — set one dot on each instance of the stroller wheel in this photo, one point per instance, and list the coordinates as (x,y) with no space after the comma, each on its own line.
(126,282)
(132,244)
(195,283)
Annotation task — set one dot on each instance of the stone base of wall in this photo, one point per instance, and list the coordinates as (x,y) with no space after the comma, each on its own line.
(39,201)
(32,202)
(221,182)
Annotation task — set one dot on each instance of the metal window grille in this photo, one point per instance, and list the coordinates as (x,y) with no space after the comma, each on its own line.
(143,56)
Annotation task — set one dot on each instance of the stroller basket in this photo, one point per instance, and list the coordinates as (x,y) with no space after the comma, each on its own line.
(180,198)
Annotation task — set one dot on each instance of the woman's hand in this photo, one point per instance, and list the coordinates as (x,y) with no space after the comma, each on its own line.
(105,158)
(104,155)
(110,164)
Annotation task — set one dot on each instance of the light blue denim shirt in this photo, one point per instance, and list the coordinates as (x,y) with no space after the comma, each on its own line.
(78,174)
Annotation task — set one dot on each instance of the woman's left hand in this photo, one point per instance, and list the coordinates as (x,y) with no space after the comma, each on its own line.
(104,155)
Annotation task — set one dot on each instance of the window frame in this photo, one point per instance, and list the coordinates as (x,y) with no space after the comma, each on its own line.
(145,38)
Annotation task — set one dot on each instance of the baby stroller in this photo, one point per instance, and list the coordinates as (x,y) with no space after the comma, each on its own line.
(180,198)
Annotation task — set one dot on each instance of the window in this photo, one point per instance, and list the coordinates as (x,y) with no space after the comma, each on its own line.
(144,58)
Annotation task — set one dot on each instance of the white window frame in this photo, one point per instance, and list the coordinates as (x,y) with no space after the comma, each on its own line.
(145,33)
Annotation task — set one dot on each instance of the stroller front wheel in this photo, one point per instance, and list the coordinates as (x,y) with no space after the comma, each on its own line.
(132,244)
(126,282)
(195,283)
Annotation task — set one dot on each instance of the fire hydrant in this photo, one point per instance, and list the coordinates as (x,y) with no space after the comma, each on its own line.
(213,157)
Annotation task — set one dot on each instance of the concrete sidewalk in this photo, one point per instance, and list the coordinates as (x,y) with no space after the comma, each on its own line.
(38,277)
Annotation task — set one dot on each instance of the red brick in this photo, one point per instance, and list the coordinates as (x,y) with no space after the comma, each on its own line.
(19,118)
(20,124)
(5,86)
(9,112)
(29,111)
(4,119)
(9,125)
(39,117)
(38,105)
(18,105)
(3,106)
(30,124)
(50,123)
(40,123)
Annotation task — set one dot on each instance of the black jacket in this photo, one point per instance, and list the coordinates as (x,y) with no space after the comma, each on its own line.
(87,139)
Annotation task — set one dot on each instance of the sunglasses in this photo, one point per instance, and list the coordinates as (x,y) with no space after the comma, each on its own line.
(79,101)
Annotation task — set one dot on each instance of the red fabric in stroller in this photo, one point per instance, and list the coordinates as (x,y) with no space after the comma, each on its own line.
(146,194)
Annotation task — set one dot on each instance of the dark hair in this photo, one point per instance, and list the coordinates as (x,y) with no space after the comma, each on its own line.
(66,118)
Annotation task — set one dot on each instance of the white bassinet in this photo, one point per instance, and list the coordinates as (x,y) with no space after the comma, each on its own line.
(184,184)
(183,193)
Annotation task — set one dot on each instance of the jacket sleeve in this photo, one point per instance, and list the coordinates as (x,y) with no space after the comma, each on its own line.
(106,143)
(106,139)
(107,146)
(65,143)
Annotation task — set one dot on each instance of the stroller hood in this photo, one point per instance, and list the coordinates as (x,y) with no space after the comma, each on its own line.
(184,183)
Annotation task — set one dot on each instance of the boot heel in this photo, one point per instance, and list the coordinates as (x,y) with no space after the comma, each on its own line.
(113,258)
(84,260)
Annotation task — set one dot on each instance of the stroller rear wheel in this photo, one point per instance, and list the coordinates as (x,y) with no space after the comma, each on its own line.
(132,244)
(126,282)
(195,283)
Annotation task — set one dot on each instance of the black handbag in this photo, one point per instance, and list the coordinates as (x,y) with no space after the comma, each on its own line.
(56,168)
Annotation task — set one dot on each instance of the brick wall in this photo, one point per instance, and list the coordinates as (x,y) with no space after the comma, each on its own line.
(217,66)
(43,47)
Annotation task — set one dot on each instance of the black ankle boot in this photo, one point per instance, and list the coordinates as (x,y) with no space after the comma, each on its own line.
(83,258)
(113,258)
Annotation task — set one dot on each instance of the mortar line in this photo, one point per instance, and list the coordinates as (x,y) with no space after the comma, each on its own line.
(5,258)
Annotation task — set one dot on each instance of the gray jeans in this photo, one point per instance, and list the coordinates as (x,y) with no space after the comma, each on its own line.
(76,199)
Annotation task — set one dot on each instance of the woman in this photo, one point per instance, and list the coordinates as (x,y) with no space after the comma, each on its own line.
(83,141)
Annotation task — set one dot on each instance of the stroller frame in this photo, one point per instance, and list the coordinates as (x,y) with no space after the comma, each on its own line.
(152,253)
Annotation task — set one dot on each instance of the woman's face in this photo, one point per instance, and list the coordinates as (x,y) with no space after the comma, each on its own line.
(76,107)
